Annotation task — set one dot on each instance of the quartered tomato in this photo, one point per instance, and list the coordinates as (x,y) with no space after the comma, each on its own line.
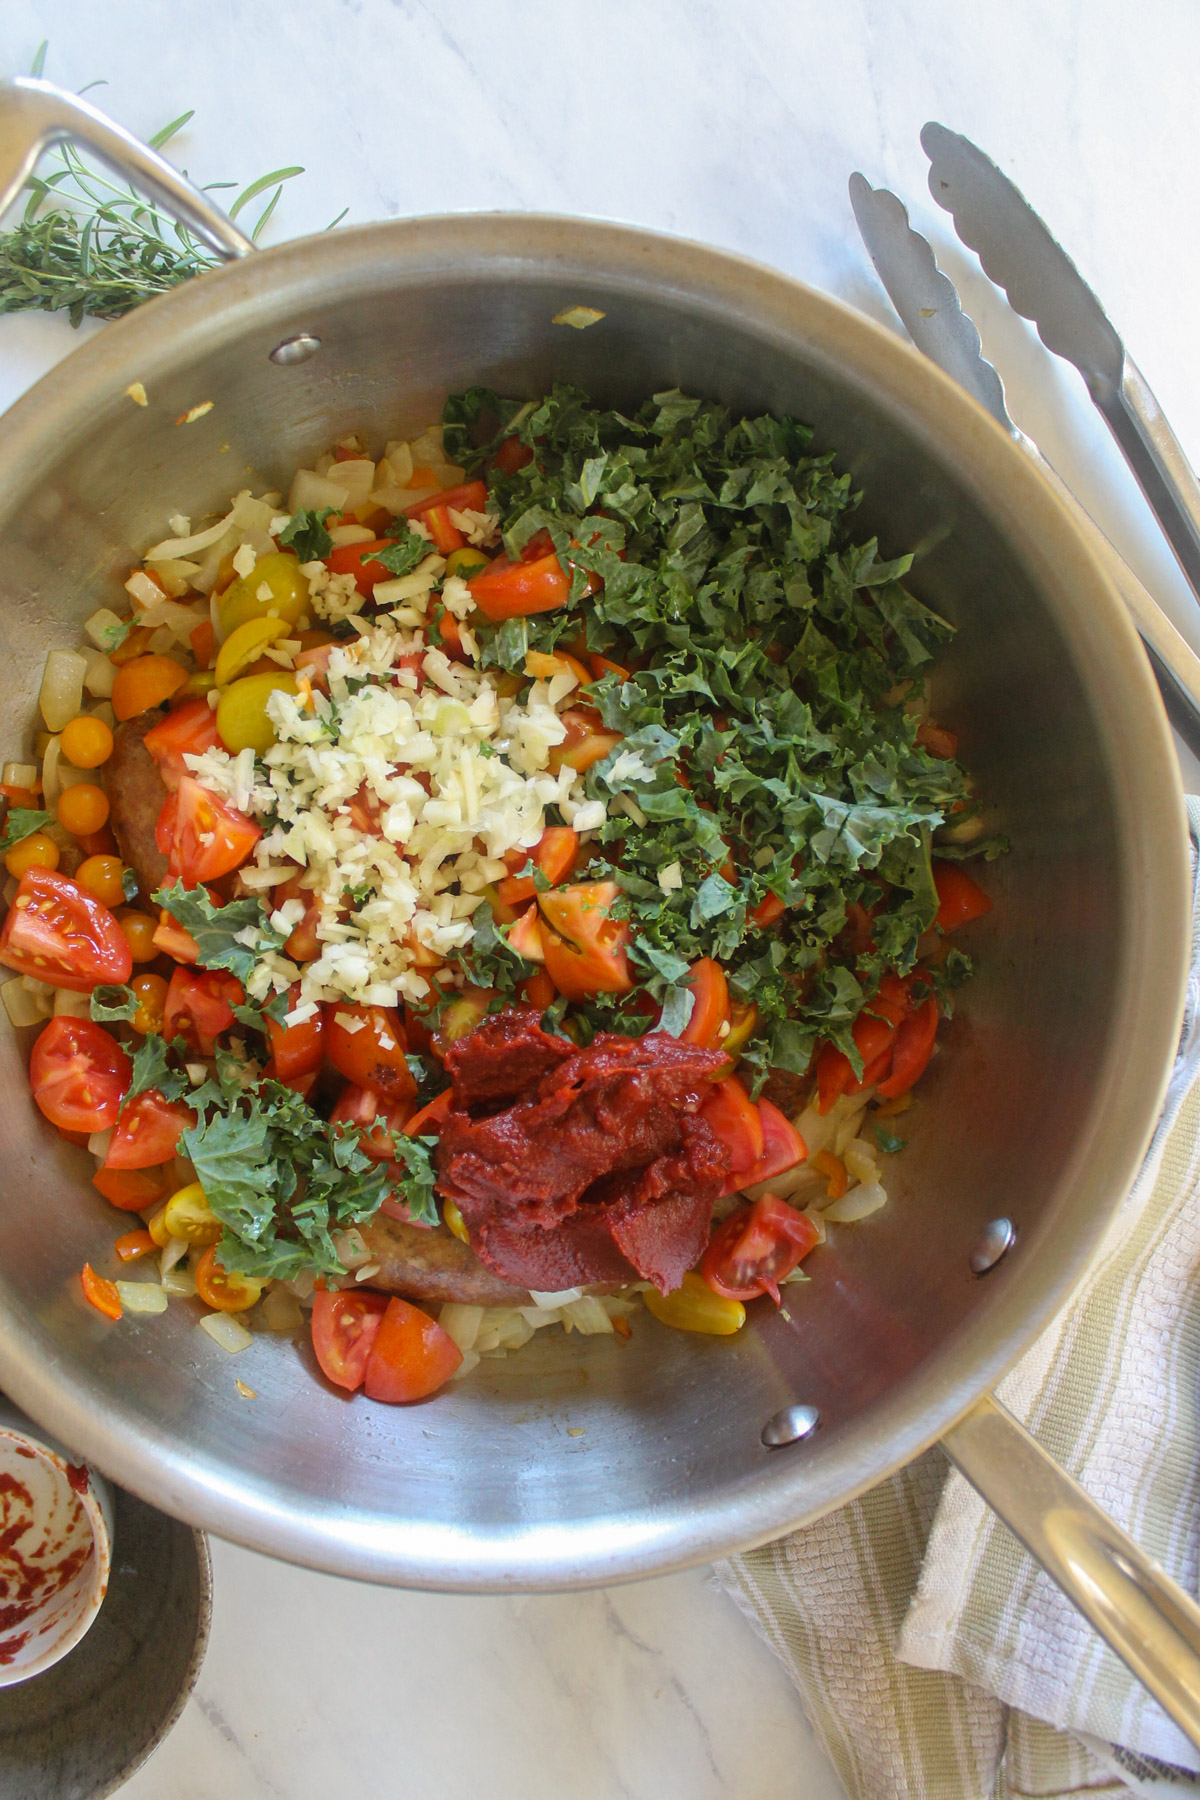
(731,1113)
(200,1005)
(133,1190)
(296,1049)
(189,730)
(57,931)
(344,1327)
(911,1051)
(960,899)
(508,590)
(585,949)
(203,837)
(710,1010)
(586,741)
(411,1356)
(367,1045)
(755,1248)
(873,1031)
(555,854)
(470,497)
(78,1073)
(148,1131)
(375,1116)
(783,1148)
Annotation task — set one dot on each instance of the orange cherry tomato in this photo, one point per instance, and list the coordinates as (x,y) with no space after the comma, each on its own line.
(150,992)
(225,1289)
(102,1294)
(83,808)
(86,742)
(411,1357)
(132,1245)
(344,1328)
(145,682)
(367,1045)
(101,876)
(138,928)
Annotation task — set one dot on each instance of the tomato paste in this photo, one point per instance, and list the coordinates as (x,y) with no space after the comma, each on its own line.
(574,1166)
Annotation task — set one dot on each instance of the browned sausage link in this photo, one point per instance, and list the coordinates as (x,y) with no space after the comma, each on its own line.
(787,1091)
(136,795)
(433,1265)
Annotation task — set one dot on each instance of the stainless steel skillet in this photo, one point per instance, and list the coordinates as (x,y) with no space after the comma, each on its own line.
(1038,1113)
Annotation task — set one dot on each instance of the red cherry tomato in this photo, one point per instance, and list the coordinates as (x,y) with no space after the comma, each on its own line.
(511,456)
(375,1117)
(189,730)
(199,1006)
(585,948)
(960,899)
(58,932)
(736,1120)
(507,590)
(344,1327)
(296,1049)
(367,1045)
(411,1356)
(361,561)
(148,1131)
(783,1148)
(873,1031)
(79,1074)
(202,836)
(755,1248)
(911,1051)
(710,1010)
(470,497)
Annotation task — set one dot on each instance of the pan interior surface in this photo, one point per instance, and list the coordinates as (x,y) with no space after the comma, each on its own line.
(580,1461)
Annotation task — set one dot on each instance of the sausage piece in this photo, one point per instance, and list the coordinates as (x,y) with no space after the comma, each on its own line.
(135,796)
(433,1265)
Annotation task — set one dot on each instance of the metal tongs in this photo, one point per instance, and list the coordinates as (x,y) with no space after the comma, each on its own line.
(1015,248)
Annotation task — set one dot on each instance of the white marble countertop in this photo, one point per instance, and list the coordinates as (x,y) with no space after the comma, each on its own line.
(735,124)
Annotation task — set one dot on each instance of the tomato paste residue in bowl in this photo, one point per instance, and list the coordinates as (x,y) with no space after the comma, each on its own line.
(46,1545)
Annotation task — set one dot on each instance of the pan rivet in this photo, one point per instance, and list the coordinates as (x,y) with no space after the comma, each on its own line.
(789,1425)
(993,1242)
(296,349)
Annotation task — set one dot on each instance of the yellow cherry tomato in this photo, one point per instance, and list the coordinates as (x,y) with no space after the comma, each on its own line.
(224,1288)
(245,645)
(87,742)
(37,851)
(694,1307)
(187,1214)
(466,562)
(150,992)
(139,932)
(287,598)
(101,876)
(83,808)
(200,681)
(242,721)
(157,1227)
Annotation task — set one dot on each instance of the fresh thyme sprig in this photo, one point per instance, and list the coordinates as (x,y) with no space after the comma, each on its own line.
(94,248)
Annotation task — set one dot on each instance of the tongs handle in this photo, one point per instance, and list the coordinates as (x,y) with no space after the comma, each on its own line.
(36,114)
(1158,462)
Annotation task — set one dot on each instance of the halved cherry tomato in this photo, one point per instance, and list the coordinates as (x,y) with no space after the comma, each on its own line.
(447,538)
(555,854)
(367,1045)
(710,1010)
(133,1190)
(586,741)
(538,989)
(470,497)
(78,1073)
(937,740)
(428,1121)
(102,1294)
(132,1245)
(731,1113)
(911,1051)
(170,937)
(508,590)
(361,561)
(769,908)
(144,682)
(187,730)
(344,1327)
(224,1288)
(375,1117)
(148,1131)
(61,934)
(585,949)
(411,1356)
(511,456)
(203,641)
(960,899)
(203,837)
(200,1005)
(783,1148)
(873,1031)
(755,1248)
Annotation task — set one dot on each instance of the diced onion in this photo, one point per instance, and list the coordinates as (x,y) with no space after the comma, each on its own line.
(280,1311)
(350,534)
(142,1296)
(313,491)
(172,548)
(859,1161)
(357,478)
(226,1331)
(17,774)
(470,1361)
(847,1131)
(99,1141)
(101,673)
(142,590)
(58,773)
(61,695)
(859,1203)
(399,461)
(181,1282)
(22,1007)
(68,1004)
(461,1323)
(175,575)
(540,1298)
(105,628)
(587,1316)
(176,1249)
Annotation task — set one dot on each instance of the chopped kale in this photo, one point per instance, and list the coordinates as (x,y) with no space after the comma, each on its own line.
(305,533)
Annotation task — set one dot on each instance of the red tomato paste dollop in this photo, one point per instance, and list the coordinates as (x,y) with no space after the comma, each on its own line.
(575,1166)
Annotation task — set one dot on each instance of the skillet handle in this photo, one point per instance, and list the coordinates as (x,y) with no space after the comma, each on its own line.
(1149,1621)
(35,114)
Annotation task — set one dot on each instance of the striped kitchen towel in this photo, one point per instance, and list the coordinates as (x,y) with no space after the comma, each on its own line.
(934,1658)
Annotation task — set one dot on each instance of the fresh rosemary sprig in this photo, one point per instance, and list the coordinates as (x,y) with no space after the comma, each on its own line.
(93,248)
